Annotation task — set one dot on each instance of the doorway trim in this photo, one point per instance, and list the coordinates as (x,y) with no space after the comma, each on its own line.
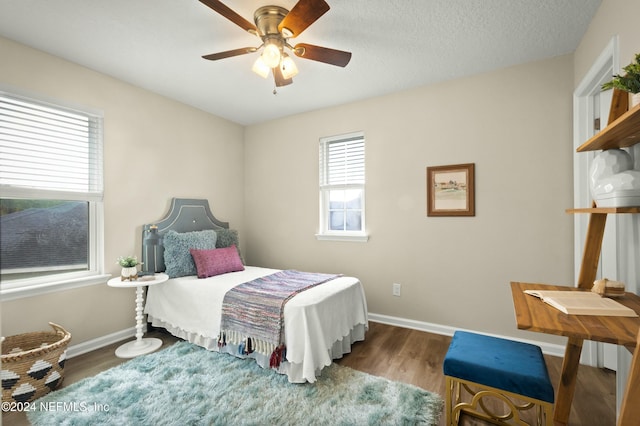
(601,71)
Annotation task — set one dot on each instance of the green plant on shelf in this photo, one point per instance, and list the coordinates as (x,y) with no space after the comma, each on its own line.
(128,261)
(630,82)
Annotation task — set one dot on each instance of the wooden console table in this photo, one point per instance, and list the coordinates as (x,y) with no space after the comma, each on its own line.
(533,314)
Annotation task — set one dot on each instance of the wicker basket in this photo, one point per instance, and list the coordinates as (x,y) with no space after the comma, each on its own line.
(33,363)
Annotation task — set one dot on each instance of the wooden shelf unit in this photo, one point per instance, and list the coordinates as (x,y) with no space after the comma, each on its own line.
(622,131)
(593,241)
(611,210)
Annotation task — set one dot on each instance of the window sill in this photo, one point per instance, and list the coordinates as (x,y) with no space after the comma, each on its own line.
(39,289)
(356,238)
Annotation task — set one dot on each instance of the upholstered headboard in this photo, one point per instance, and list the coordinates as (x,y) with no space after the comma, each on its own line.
(184,215)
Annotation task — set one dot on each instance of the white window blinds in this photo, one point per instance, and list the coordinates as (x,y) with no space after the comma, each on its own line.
(342,187)
(51,149)
(342,161)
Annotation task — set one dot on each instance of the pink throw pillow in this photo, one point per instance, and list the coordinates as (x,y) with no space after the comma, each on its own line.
(216,261)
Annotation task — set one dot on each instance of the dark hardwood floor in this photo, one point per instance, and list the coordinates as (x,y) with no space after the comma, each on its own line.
(400,354)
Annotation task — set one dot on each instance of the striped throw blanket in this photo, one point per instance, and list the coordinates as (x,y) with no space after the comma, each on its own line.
(253,312)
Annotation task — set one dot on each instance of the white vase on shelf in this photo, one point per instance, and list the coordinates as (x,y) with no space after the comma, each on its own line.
(613,181)
(634,99)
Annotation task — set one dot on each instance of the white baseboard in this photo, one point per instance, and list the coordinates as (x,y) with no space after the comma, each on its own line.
(445,330)
(100,342)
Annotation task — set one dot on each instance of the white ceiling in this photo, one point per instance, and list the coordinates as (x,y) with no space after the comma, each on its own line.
(396,45)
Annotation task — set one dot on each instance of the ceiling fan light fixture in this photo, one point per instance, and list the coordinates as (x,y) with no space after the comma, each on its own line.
(274,25)
(271,55)
(288,67)
(260,68)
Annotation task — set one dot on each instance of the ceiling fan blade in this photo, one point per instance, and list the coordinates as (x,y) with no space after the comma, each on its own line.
(303,14)
(229,53)
(279,78)
(225,11)
(339,58)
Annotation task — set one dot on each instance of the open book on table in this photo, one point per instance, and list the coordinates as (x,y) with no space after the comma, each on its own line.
(582,303)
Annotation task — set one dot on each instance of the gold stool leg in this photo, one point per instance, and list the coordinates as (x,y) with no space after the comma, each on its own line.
(542,412)
(448,402)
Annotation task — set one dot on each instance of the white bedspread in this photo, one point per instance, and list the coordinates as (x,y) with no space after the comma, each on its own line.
(320,323)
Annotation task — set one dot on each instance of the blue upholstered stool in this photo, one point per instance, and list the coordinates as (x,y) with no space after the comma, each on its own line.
(490,367)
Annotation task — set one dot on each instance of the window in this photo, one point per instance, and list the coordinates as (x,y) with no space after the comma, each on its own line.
(51,196)
(342,180)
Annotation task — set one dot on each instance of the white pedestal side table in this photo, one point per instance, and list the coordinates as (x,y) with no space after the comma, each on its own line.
(141,345)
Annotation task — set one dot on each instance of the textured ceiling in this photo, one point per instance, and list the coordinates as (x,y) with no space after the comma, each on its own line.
(396,45)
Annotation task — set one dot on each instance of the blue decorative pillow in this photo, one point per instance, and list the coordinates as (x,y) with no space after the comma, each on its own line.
(177,257)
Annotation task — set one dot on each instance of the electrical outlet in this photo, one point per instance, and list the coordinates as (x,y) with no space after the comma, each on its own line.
(396,289)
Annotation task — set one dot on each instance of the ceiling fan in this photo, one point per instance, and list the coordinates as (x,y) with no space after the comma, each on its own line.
(275,25)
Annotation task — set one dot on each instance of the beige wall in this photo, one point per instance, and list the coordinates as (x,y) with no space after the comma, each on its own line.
(614,17)
(154,149)
(514,124)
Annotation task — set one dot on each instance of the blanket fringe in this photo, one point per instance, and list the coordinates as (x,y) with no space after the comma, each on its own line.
(278,355)
(246,347)
(246,344)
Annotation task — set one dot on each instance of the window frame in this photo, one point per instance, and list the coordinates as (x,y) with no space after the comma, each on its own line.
(324,232)
(11,289)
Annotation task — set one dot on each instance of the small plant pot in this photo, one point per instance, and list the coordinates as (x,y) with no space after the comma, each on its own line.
(634,99)
(130,274)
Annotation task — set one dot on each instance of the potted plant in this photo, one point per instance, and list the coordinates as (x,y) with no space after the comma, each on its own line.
(630,82)
(129,266)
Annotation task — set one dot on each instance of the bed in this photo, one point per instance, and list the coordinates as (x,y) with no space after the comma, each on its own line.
(319,324)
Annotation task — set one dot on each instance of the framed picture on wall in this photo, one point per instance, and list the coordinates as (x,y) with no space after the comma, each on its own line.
(451,190)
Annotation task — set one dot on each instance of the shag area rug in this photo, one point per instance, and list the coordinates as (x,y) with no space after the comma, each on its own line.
(188,385)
